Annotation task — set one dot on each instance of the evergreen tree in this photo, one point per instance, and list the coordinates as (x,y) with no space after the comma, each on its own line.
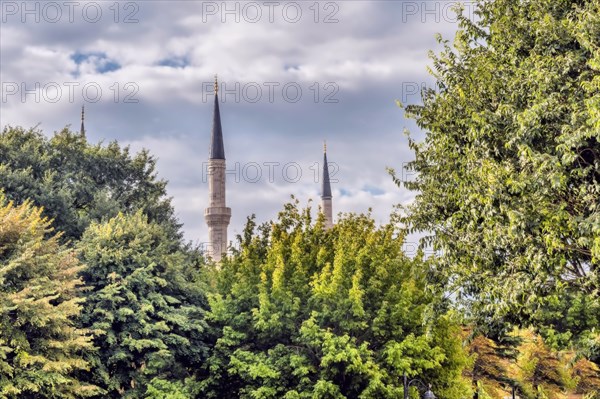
(146,303)
(586,378)
(490,371)
(41,349)
(538,369)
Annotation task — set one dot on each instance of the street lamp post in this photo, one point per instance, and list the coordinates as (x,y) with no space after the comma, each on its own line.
(427,395)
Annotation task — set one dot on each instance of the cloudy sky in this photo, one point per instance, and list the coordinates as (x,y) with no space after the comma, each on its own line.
(292,74)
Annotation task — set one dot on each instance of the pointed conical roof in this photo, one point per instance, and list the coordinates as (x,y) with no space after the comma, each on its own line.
(82,129)
(217,149)
(326,188)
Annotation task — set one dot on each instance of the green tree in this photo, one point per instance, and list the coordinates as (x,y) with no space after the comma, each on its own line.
(508,175)
(41,349)
(77,182)
(306,312)
(147,304)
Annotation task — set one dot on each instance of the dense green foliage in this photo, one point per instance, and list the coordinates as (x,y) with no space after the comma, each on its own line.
(146,303)
(508,176)
(41,347)
(306,312)
(112,304)
(78,183)
(143,305)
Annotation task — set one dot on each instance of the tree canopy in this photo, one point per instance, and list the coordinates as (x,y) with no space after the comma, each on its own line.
(100,297)
(306,312)
(508,175)
(77,182)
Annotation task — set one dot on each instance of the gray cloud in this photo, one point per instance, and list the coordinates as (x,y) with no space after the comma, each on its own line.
(375,53)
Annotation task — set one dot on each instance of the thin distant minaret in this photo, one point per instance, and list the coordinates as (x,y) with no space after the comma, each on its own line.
(327,206)
(82,130)
(217,214)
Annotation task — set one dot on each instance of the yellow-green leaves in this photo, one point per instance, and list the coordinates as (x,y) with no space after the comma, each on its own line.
(41,348)
(315,313)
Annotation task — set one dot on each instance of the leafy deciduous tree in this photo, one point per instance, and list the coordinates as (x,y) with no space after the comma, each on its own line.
(307,312)
(508,175)
(77,182)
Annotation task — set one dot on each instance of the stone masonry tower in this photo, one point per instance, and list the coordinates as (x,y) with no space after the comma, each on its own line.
(326,205)
(217,214)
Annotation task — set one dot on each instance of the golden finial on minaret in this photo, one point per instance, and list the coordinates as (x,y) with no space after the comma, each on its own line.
(325,146)
(82,112)
(216,84)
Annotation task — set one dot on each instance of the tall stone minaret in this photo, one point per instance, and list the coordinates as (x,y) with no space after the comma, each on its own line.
(217,215)
(326,205)
(82,131)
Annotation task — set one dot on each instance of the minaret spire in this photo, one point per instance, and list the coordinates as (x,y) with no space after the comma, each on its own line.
(217,149)
(326,197)
(82,130)
(217,214)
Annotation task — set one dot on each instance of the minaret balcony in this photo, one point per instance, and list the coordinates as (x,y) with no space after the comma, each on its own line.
(217,215)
